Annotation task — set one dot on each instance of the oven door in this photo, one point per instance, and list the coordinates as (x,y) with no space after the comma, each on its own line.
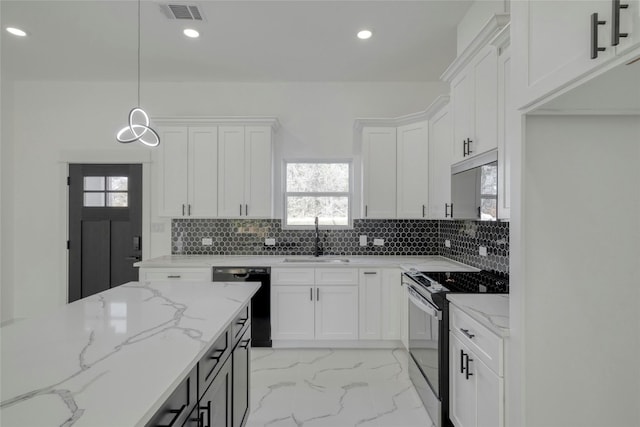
(424,337)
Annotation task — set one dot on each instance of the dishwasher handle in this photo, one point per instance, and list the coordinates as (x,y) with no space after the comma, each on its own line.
(416,299)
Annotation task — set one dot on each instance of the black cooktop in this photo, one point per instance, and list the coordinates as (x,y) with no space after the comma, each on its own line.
(471,282)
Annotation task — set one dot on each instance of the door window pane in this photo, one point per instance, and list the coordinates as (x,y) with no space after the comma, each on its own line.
(94,183)
(117,183)
(117,200)
(93,200)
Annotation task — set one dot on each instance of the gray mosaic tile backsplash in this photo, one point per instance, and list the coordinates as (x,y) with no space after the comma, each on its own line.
(401,237)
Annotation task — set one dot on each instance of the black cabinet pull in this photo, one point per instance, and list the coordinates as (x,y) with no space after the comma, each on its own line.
(594,35)
(183,209)
(422,211)
(310,294)
(615,24)
(245,343)
(246,210)
(242,322)
(189,209)
(366,210)
(217,354)
(446,210)
(317,294)
(173,276)
(177,413)
(467,374)
(370,272)
(479,215)
(462,361)
(467,333)
(464,148)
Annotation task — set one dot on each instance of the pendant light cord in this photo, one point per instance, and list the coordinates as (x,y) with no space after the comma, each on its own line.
(138,53)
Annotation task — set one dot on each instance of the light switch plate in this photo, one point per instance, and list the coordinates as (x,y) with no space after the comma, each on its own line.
(482,250)
(207,241)
(270,241)
(378,242)
(447,243)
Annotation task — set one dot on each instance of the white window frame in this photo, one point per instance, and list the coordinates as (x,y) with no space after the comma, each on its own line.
(349,195)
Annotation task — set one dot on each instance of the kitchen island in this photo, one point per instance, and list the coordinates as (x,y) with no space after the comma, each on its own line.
(112,359)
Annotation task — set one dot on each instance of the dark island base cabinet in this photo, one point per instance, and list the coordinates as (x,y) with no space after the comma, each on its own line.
(216,392)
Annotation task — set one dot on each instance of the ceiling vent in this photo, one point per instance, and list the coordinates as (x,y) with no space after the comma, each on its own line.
(184,12)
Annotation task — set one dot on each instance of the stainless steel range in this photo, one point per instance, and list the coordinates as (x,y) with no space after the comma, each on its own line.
(429,330)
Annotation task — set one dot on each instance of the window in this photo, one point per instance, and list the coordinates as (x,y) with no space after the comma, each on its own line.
(109,191)
(317,189)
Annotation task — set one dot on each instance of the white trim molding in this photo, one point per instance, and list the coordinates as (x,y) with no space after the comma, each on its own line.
(217,121)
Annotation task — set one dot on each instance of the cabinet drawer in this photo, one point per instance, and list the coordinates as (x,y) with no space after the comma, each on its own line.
(212,361)
(178,406)
(240,324)
(175,274)
(336,276)
(486,344)
(292,276)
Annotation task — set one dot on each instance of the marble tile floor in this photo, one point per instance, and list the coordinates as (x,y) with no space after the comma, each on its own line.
(333,388)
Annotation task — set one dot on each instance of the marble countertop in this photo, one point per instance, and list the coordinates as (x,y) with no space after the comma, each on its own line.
(491,310)
(421,263)
(112,359)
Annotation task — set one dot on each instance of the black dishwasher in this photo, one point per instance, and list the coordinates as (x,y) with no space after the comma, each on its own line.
(260,303)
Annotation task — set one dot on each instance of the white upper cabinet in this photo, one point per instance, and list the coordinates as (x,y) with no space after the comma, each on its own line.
(440,156)
(245,172)
(560,42)
(412,170)
(474,98)
(187,171)
(379,172)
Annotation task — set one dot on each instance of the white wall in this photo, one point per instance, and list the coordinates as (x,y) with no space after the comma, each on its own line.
(475,18)
(49,117)
(6,208)
(581,252)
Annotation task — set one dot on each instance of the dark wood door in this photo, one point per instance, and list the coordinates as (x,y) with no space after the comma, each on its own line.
(105,227)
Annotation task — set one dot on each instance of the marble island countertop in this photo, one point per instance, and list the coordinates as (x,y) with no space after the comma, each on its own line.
(421,263)
(112,359)
(491,310)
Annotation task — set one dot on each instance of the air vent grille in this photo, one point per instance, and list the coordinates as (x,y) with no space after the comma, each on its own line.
(185,12)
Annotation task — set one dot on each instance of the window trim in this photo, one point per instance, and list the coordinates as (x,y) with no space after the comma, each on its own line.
(349,194)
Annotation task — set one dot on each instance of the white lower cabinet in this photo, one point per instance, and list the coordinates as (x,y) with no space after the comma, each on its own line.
(476,389)
(314,305)
(379,303)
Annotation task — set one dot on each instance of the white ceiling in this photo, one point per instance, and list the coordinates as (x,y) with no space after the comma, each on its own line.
(294,40)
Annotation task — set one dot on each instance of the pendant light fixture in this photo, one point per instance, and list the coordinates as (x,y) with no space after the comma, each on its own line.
(138,128)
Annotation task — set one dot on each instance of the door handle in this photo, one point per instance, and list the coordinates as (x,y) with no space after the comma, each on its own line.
(133,258)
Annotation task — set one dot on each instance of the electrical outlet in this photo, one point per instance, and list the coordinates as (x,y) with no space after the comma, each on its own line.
(207,241)
(378,242)
(482,250)
(363,240)
(270,241)
(447,243)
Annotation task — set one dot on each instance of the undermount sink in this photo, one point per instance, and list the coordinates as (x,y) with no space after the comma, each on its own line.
(330,260)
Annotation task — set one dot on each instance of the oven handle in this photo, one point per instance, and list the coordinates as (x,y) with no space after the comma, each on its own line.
(423,304)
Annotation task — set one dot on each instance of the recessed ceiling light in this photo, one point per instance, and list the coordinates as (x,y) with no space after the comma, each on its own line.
(16,31)
(364,34)
(190,32)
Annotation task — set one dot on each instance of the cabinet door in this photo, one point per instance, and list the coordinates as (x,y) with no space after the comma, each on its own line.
(463,109)
(507,115)
(486,102)
(336,313)
(440,156)
(489,395)
(216,402)
(555,40)
(172,171)
(462,389)
(231,171)
(203,172)
(412,170)
(292,312)
(391,303)
(379,172)
(370,294)
(241,370)
(258,162)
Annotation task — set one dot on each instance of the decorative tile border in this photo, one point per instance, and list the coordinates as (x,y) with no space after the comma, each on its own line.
(401,237)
